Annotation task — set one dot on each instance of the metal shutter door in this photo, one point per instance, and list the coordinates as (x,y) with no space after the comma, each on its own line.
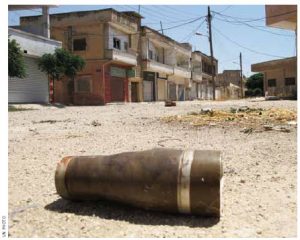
(148,91)
(161,90)
(180,92)
(194,91)
(31,89)
(172,92)
(117,89)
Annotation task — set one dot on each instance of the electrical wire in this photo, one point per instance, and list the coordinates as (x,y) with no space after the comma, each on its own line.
(158,23)
(255,19)
(249,49)
(183,24)
(134,33)
(226,8)
(176,11)
(190,35)
(253,27)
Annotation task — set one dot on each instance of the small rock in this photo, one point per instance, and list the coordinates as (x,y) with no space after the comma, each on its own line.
(95,123)
(292,123)
(268,127)
(242,181)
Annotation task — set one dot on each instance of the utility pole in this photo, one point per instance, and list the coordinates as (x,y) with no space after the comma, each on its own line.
(241,86)
(162,30)
(139,9)
(211,53)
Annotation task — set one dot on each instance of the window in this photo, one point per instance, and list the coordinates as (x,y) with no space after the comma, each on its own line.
(150,53)
(290,81)
(83,84)
(79,44)
(271,82)
(117,43)
(126,46)
(157,58)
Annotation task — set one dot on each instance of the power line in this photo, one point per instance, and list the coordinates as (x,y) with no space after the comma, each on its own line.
(228,60)
(257,19)
(161,16)
(183,24)
(181,12)
(226,8)
(254,27)
(191,34)
(137,32)
(249,49)
(157,23)
(157,15)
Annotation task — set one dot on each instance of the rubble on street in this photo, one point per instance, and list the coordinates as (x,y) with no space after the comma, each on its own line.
(256,118)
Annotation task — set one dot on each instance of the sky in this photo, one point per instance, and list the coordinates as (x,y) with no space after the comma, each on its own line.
(230,33)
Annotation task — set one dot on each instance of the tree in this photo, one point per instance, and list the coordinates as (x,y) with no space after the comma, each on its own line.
(16,66)
(61,63)
(255,81)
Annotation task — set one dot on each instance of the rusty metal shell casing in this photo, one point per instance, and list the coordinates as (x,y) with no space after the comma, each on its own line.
(171,180)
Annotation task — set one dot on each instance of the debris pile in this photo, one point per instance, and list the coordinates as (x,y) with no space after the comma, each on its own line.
(170,103)
(252,118)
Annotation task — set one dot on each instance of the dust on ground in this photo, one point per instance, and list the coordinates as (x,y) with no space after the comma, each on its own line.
(259,194)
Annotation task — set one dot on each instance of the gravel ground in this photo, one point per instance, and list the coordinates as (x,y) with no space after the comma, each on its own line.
(259,194)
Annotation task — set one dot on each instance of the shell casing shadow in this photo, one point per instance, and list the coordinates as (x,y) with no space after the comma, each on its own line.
(169,180)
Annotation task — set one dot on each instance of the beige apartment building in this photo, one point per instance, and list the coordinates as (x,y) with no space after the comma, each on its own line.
(125,62)
(108,41)
(280,76)
(165,66)
(228,85)
(202,75)
(229,76)
(196,65)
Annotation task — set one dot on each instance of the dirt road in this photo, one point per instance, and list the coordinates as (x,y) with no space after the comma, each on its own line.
(259,195)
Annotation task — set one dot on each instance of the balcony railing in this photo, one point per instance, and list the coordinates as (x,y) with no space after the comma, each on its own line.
(159,67)
(182,72)
(128,57)
(197,76)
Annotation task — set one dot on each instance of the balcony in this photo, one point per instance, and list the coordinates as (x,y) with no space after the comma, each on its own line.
(116,55)
(182,72)
(206,75)
(197,76)
(155,66)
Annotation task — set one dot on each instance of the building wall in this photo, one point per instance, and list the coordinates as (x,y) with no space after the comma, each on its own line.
(93,33)
(94,70)
(32,44)
(98,28)
(229,76)
(112,32)
(281,89)
(281,16)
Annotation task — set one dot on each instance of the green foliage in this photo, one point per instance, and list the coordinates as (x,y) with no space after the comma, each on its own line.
(249,93)
(48,64)
(255,81)
(257,92)
(16,66)
(61,63)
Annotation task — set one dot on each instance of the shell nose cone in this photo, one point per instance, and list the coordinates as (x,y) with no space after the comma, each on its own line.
(60,183)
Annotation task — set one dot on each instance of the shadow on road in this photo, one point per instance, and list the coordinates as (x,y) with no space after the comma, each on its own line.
(57,105)
(115,211)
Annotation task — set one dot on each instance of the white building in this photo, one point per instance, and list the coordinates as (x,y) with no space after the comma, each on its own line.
(34,88)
